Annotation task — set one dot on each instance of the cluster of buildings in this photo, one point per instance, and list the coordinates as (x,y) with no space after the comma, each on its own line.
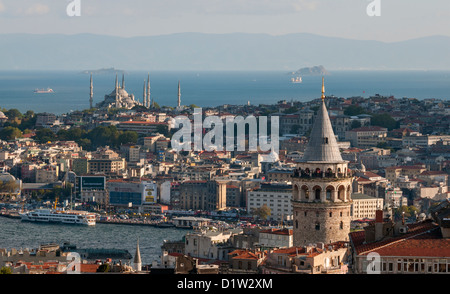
(339,183)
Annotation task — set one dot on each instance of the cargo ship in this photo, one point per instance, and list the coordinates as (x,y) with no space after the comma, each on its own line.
(297,80)
(41,91)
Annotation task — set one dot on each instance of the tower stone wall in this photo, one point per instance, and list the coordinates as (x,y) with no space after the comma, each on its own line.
(321,188)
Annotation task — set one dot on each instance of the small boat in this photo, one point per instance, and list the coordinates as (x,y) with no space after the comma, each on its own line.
(41,91)
(297,80)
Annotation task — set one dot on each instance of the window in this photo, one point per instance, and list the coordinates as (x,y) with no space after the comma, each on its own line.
(317,226)
(317,194)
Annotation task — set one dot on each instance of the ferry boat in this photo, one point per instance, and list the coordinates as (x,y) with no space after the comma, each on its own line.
(59,216)
(40,91)
(297,80)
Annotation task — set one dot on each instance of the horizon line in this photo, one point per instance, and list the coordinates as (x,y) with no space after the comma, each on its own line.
(230,33)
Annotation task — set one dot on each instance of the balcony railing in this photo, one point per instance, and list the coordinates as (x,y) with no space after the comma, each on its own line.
(315,175)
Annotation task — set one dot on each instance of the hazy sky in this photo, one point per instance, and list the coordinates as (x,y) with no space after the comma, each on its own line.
(399,19)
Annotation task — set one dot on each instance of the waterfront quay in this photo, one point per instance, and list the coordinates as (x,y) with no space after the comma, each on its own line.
(134,221)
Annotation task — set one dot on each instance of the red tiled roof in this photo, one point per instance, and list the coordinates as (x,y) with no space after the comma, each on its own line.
(423,239)
(194,182)
(405,167)
(371,174)
(359,179)
(432,172)
(245,254)
(278,231)
(89,268)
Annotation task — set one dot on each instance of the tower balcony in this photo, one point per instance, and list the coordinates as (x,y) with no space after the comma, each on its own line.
(308,175)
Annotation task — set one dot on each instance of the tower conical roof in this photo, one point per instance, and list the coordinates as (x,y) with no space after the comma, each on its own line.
(322,144)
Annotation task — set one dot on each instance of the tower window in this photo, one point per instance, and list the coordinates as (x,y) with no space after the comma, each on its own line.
(341,226)
(325,140)
(317,226)
(328,195)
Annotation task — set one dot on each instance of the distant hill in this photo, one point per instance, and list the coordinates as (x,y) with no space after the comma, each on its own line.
(238,51)
(312,71)
(104,71)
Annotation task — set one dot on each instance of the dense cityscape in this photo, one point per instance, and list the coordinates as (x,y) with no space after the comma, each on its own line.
(353,178)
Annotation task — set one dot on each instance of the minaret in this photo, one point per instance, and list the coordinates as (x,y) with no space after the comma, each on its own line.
(137,263)
(91,96)
(148,91)
(323,88)
(322,187)
(144,96)
(179,94)
(117,88)
(123,81)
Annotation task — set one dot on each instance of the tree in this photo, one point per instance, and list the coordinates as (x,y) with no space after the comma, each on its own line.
(28,121)
(354,110)
(5,270)
(408,211)
(86,144)
(262,212)
(73,134)
(10,133)
(163,130)
(9,187)
(13,114)
(155,105)
(45,135)
(104,268)
(103,136)
(315,109)
(290,110)
(355,124)
(29,114)
(384,120)
(127,137)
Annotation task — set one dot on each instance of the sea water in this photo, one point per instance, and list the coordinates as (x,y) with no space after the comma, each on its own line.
(212,88)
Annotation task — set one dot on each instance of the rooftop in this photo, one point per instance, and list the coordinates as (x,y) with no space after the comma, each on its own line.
(423,239)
